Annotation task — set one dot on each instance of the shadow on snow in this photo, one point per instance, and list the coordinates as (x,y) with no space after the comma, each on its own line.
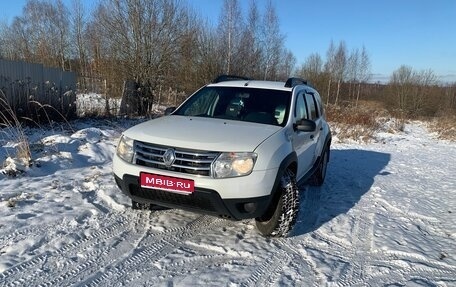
(351,174)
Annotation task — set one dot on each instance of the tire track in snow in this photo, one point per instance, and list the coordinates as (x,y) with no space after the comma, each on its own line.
(302,260)
(379,267)
(363,241)
(34,231)
(361,250)
(400,272)
(269,270)
(35,269)
(416,264)
(129,240)
(151,250)
(318,240)
(133,232)
(403,266)
(200,262)
(331,241)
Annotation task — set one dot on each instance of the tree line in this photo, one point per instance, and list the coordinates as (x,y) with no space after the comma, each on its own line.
(345,78)
(160,44)
(165,45)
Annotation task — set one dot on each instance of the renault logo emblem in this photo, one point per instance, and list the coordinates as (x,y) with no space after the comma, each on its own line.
(168,157)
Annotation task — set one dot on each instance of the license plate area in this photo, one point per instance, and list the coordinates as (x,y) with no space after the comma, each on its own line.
(166,183)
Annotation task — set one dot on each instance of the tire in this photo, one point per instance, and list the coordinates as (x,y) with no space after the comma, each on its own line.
(320,174)
(282,214)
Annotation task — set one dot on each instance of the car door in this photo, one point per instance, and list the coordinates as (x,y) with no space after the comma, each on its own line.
(302,141)
(314,115)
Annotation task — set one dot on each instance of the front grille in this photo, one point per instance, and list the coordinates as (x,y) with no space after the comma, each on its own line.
(187,161)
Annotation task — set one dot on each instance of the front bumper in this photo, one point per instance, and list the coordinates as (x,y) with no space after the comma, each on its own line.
(235,198)
(202,200)
(257,184)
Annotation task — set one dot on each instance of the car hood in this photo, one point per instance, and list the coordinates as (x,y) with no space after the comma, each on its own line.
(202,133)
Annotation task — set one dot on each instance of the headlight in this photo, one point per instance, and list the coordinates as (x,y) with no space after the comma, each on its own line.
(233,164)
(125,148)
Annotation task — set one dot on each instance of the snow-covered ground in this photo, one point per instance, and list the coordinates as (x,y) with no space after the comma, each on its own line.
(386,216)
(95,104)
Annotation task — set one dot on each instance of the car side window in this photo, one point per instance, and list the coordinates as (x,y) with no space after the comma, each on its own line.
(312,105)
(301,111)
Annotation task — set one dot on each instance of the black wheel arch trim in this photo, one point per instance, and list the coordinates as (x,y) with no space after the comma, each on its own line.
(327,145)
(290,161)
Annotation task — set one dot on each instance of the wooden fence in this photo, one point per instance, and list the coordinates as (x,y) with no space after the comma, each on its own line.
(34,91)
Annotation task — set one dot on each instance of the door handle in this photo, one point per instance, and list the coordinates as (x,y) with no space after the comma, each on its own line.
(312,137)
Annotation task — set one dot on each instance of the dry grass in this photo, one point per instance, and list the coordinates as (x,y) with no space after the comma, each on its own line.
(12,129)
(362,122)
(445,127)
(52,109)
(357,123)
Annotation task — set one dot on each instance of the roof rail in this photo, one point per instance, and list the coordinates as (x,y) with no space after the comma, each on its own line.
(224,78)
(291,82)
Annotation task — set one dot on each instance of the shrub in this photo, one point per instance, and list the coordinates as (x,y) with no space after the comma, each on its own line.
(350,122)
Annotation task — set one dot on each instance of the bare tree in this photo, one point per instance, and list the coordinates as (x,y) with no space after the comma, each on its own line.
(364,72)
(340,61)
(272,42)
(250,50)
(193,70)
(413,91)
(144,37)
(160,43)
(79,40)
(353,63)
(287,66)
(330,67)
(312,68)
(3,35)
(402,82)
(314,72)
(61,22)
(209,60)
(40,34)
(425,80)
(230,25)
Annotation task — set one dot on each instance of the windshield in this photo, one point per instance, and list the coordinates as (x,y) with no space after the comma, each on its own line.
(240,104)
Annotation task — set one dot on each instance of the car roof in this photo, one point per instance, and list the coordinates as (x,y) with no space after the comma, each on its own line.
(271,85)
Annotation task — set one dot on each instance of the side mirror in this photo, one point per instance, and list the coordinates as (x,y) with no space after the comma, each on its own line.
(305,126)
(169,110)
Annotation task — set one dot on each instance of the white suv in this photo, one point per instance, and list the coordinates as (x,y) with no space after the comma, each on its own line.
(236,148)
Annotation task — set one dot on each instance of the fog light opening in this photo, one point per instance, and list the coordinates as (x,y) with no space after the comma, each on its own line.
(250,207)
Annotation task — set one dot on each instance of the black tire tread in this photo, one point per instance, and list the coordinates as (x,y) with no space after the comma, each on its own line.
(286,209)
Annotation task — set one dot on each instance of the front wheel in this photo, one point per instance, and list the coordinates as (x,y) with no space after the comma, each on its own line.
(282,214)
